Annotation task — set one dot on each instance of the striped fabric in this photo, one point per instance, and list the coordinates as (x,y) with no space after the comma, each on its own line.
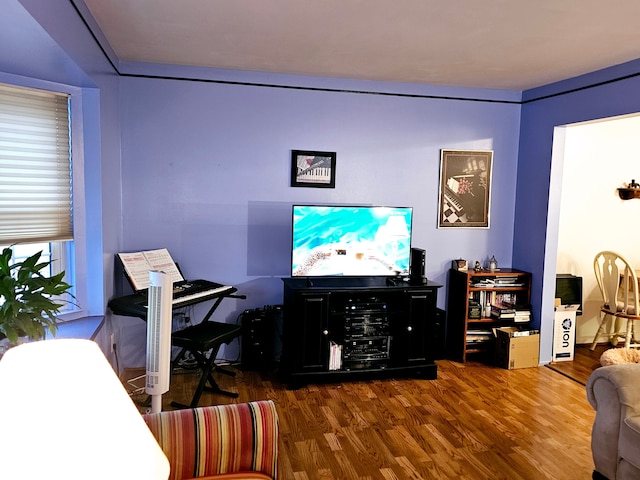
(219,440)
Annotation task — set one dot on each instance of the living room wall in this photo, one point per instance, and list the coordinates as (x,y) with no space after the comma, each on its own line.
(204,163)
(206,170)
(201,165)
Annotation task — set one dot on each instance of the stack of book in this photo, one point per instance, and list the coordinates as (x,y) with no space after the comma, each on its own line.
(335,356)
(482,282)
(502,312)
(508,282)
(522,312)
(497,282)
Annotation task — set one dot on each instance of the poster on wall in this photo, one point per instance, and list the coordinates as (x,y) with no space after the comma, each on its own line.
(465,188)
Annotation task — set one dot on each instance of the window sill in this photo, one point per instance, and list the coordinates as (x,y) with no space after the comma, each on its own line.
(85,327)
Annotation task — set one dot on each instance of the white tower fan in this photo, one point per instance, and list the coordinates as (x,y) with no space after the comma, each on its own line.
(159,317)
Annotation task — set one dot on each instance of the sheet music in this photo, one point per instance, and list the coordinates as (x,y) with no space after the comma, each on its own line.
(138,264)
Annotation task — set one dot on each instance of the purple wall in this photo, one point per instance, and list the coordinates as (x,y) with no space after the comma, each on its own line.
(206,168)
(602,94)
(201,166)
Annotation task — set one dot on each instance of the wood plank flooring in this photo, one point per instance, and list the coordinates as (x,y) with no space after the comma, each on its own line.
(584,363)
(474,422)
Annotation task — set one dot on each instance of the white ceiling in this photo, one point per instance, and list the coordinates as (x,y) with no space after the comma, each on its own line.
(502,44)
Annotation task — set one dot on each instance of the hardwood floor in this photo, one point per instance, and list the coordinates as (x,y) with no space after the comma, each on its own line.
(584,362)
(474,422)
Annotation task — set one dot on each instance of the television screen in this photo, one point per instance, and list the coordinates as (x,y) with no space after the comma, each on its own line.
(351,241)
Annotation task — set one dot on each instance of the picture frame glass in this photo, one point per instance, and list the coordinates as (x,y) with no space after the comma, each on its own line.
(310,168)
(465,188)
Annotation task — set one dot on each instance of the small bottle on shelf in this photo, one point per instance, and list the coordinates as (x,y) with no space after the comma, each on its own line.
(493,264)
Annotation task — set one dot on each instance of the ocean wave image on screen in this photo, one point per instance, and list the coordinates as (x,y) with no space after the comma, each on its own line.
(350,241)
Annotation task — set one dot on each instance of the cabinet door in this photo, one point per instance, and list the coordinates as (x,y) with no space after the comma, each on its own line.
(313,346)
(419,326)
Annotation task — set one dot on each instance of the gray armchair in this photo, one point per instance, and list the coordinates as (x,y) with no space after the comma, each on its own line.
(614,393)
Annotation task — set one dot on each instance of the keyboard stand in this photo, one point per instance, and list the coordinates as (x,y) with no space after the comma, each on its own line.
(203,341)
(206,337)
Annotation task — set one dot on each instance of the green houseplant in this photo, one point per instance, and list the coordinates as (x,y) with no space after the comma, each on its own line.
(28,299)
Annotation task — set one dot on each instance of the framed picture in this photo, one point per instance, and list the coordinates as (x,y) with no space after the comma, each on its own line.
(465,188)
(313,169)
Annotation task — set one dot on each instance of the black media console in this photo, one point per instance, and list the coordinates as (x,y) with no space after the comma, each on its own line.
(348,328)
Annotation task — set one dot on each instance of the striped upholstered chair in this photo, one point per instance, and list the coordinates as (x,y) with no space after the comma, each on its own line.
(238,441)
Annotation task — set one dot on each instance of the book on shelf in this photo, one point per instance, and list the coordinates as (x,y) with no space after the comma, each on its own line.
(500,311)
(493,297)
(517,306)
(335,356)
(479,336)
(507,280)
(522,317)
(522,311)
(482,282)
(497,282)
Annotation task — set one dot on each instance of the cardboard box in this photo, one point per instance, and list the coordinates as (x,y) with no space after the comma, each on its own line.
(517,348)
(564,333)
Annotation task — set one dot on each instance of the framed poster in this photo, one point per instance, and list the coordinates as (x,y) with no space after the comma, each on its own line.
(313,169)
(465,188)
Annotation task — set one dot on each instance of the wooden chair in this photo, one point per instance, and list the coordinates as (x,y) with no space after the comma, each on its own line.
(619,288)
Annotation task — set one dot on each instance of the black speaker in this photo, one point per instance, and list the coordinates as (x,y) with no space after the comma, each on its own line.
(418,265)
(257,331)
(261,342)
(439,341)
(569,290)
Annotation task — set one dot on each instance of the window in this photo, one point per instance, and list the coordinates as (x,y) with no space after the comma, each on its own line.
(35,166)
(36,202)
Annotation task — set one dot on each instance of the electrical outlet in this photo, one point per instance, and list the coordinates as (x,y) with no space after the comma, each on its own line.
(113,342)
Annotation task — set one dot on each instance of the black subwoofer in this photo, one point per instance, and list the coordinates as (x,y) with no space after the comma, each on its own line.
(260,337)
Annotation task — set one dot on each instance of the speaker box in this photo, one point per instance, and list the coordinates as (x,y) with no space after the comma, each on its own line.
(569,290)
(418,265)
(439,341)
(261,343)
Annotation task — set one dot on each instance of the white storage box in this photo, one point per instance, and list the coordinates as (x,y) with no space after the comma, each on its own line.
(564,333)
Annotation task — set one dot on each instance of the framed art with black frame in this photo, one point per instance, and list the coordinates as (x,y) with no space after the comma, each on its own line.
(465,188)
(313,169)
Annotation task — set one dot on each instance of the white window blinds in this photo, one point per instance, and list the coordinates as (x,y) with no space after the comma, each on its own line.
(35,166)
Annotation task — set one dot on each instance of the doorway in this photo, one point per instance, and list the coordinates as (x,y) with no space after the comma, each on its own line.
(590,160)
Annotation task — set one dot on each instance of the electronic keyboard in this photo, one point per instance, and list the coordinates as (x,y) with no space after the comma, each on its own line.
(184,294)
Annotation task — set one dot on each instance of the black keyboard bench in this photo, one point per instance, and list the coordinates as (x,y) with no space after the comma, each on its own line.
(200,339)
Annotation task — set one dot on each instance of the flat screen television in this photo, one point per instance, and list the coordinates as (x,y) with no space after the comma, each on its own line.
(350,241)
